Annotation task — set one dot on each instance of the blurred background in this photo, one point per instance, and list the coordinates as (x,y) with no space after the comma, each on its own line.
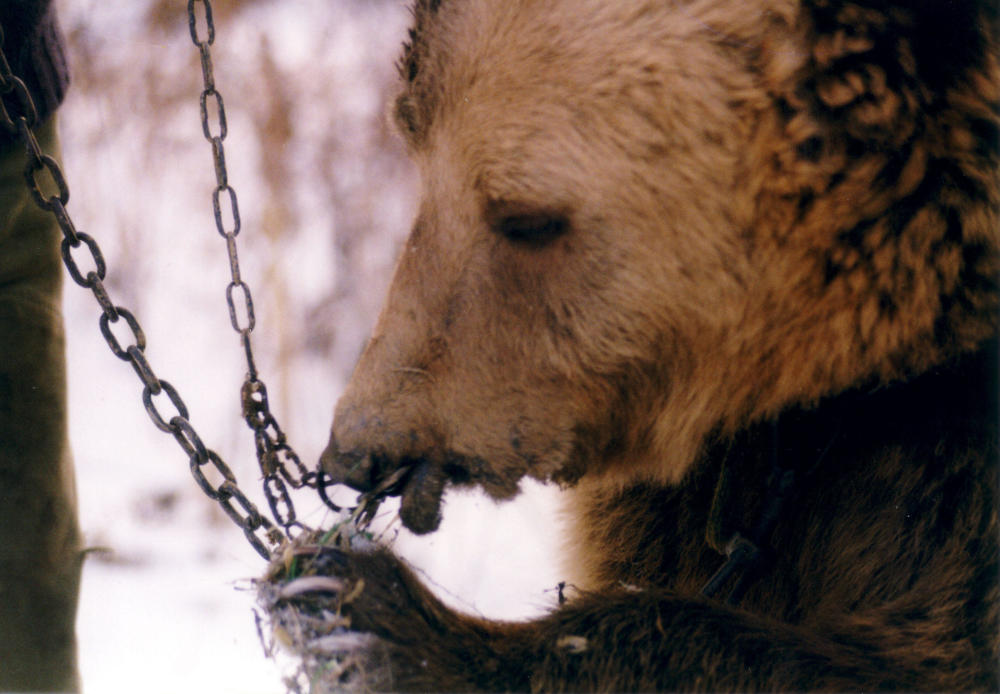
(326,196)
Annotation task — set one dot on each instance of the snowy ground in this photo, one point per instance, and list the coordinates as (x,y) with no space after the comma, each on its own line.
(165,606)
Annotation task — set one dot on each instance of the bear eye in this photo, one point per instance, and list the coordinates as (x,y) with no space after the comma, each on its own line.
(532,229)
(526,224)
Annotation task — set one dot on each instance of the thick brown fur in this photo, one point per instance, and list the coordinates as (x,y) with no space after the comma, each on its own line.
(651,235)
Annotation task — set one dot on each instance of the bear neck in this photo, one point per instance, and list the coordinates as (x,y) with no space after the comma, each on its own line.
(957,398)
(753,478)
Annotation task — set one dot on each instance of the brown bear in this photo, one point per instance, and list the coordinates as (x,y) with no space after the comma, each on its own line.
(727,271)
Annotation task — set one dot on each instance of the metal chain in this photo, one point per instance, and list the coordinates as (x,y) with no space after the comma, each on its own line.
(18,116)
(280,465)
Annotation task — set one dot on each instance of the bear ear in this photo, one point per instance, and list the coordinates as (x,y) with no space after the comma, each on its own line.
(409,64)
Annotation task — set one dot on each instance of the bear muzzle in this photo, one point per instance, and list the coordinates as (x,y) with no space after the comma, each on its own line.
(419,481)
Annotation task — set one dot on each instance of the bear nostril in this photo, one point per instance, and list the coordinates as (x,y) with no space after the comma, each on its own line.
(360,472)
(356,470)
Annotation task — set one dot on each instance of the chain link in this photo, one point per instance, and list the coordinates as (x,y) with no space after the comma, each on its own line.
(13,85)
(18,116)
(280,466)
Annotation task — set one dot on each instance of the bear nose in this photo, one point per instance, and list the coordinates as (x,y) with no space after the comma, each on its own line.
(355,469)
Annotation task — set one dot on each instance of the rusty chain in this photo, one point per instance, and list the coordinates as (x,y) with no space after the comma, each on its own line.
(19,117)
(274,454)
(280,465)
(21,122)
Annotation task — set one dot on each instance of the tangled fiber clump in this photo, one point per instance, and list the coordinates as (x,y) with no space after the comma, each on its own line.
(303,600)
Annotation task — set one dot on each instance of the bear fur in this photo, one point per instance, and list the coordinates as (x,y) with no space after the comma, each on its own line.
(727,271)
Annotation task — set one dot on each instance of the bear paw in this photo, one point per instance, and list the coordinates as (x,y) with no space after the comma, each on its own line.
(358,618)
